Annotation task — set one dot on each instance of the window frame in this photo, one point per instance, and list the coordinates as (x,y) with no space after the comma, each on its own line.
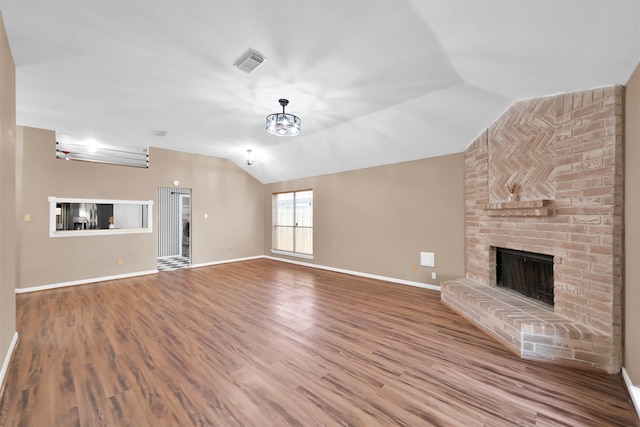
(147,206)
(293,227)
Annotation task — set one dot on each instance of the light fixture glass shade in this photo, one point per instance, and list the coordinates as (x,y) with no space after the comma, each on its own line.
(250,158)
(283,124)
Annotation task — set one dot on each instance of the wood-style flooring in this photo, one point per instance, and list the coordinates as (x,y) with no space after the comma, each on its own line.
(265,343)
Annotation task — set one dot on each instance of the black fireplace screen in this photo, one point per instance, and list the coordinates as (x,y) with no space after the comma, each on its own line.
(529,273)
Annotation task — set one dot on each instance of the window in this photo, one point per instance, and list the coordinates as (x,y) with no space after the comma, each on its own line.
(293,222)
(91,217)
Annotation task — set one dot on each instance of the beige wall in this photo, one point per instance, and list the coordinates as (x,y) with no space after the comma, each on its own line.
(7,191)
(378,220)
(632,229)
(231,198)
(412,207)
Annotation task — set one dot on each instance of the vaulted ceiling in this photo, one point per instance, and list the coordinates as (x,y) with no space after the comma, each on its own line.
(374,82)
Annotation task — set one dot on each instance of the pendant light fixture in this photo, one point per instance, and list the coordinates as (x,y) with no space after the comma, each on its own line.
(283,124)
(250,158)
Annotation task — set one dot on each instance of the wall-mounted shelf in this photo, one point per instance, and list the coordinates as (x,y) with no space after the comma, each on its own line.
(520,208)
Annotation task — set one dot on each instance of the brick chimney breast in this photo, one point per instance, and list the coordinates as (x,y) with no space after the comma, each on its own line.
(565,153)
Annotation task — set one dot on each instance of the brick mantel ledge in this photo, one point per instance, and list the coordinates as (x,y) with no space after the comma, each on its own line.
(543,207)
(528,327)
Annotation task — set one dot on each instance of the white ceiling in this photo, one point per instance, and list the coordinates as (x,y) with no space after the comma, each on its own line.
(374,82)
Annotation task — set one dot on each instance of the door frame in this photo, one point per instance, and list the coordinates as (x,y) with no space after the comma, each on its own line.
(181,220)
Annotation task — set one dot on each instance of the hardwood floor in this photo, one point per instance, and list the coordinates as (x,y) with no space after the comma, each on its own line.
(264,343)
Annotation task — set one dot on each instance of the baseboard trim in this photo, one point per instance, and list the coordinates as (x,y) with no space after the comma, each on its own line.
(634,391)
(226,261)
(7,359)
(83,282)
(359,273)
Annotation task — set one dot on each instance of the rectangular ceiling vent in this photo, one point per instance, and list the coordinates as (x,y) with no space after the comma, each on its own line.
(249,60)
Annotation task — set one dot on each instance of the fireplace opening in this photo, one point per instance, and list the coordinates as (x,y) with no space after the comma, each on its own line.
(528,273)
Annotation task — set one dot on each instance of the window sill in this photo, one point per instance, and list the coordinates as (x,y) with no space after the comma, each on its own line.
(98,232)
(293,254)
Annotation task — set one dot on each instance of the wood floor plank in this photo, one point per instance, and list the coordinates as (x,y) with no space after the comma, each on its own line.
(265,343)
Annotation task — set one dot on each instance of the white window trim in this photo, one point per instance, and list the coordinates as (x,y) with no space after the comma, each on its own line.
(102,232)
(291,253)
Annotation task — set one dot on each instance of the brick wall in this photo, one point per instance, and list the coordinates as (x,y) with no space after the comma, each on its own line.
(568,150)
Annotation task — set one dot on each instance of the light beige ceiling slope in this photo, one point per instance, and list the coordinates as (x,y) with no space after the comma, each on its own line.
(374,82)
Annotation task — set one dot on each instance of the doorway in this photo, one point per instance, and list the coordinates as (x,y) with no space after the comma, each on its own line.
(185,223)
(174,228)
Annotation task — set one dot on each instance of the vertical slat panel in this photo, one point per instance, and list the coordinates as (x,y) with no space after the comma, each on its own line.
(169,227)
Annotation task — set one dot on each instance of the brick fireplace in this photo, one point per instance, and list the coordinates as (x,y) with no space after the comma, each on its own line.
(565,153)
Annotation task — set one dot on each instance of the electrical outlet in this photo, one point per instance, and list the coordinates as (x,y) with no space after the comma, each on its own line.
(433,275)
(120,261)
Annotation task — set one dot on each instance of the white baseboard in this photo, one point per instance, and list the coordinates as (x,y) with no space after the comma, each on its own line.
(358,273)
(83,282)
(7,359)
(119,276)
(226,261)
(634,391)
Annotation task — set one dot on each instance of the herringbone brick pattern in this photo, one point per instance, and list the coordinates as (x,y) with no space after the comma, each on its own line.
(521,151)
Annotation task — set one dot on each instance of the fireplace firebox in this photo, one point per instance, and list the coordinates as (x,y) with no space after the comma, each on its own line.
(528,273)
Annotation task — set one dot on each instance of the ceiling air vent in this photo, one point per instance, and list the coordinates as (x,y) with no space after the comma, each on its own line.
(157,132)
(249,60)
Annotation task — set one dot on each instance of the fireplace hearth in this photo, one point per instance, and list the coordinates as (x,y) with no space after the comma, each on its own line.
(528,273)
